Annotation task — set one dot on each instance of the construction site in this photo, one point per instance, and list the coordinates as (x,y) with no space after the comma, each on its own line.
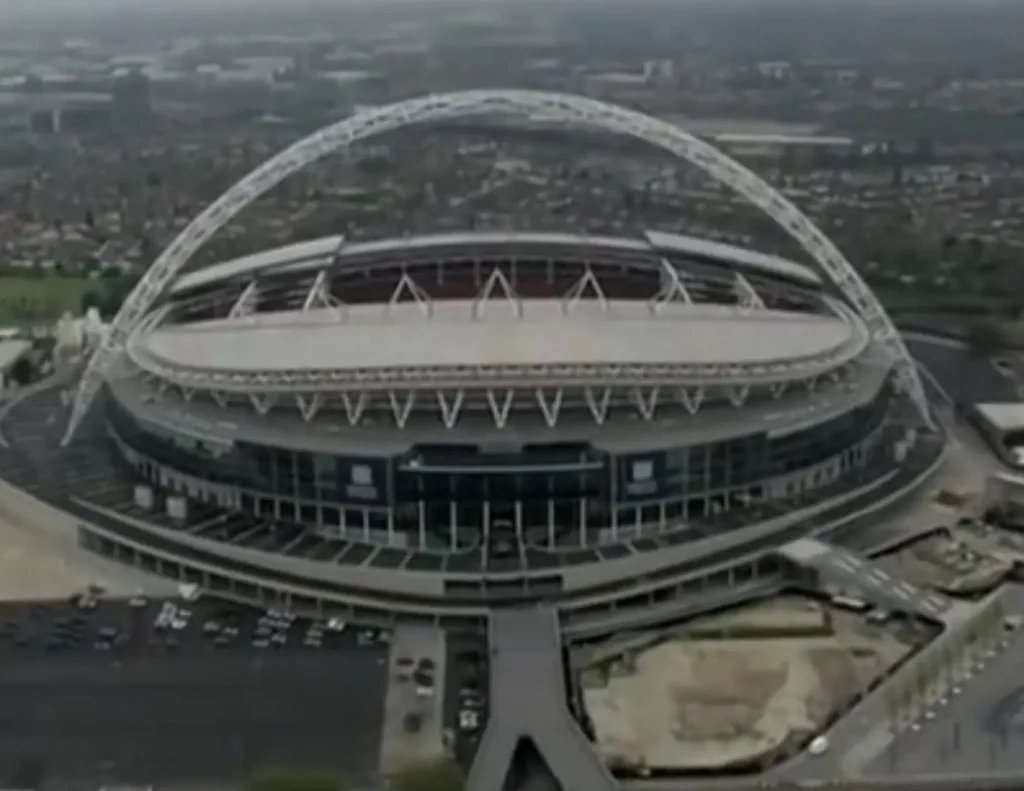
(746,688)
(969,559)
(738,690)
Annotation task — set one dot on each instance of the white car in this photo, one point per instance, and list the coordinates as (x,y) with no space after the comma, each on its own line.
(818,746)
(468,720)
(189,591)
(337,625)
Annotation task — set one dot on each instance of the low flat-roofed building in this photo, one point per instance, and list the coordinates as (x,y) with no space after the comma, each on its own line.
(1002,426)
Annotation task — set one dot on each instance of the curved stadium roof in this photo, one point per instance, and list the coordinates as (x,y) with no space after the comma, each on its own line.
(318,253)
(461,333)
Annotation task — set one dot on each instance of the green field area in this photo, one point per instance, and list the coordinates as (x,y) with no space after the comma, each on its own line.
(28,299)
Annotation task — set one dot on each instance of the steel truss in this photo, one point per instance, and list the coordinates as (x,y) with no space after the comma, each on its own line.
(497,298)
(521,104)
(503,405)
(326,381)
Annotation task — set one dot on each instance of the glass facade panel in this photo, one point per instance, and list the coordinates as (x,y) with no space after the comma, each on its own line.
(440,495)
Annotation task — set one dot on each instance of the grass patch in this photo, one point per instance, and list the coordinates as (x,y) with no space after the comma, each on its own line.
(28,299)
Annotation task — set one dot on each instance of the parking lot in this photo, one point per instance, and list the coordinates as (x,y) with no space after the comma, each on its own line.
(107,693)
(466,693)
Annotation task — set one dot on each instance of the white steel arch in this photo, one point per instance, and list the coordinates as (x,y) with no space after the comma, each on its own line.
(527,104)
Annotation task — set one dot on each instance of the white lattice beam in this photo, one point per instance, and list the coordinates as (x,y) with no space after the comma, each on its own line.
(409,289)
(246,301)
(572,110)
(598,400)
(691,399)
(450,405)
(262,404)
(401,406)
(500,402)
(587,287)
(319,294)
(737,395)
(672,288)
(746,294)
(309,405)
(497,286)
(355,404)
(646,400)
(550,403)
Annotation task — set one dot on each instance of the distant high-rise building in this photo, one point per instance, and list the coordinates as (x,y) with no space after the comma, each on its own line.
(131,100)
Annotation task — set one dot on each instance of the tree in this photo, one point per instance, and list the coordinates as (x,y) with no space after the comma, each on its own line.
(90,299)
(285,779)
(442,774)
(22,371)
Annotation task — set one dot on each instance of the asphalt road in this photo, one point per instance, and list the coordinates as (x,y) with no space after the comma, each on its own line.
(143,715)
(980,728)
(966,377)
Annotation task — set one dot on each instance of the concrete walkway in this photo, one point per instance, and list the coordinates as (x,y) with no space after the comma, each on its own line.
(528,701)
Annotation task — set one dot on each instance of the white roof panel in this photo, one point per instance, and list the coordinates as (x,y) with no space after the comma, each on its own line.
(1007,416)
(379,337)
(727,253)
(320,250)
(440,240)
(316,253)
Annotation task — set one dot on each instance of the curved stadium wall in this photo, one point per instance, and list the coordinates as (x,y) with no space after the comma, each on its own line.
(555,496)
(557,486)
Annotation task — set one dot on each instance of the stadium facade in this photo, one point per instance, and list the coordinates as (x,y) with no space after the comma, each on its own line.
(433,426)
(481,418)
(488,395)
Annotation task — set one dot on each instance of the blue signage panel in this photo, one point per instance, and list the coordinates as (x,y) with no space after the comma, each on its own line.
(362,480)
(651,476)
(640,476)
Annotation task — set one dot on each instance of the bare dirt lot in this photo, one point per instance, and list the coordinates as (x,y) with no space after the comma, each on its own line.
(707,703)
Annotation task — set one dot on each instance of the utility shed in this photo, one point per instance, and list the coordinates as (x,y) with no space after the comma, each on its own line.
(1002,426)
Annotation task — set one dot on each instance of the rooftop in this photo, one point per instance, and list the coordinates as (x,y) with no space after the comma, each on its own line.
(474,333)
(318,253)
(1003,416)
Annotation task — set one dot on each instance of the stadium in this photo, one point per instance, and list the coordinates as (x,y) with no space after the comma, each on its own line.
(431,426)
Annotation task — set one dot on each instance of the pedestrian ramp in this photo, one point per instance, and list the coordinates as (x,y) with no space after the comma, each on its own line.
(857,576)
(529,702)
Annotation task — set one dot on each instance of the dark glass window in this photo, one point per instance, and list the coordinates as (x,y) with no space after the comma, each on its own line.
(284,472)
(305,476)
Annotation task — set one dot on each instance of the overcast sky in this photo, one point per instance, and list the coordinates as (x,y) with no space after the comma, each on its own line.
(37,7)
